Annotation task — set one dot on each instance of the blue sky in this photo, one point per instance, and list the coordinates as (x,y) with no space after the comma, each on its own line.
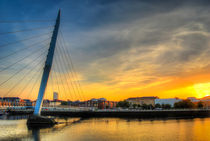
(122,46)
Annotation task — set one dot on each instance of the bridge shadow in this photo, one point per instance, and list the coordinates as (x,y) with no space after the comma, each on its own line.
(35,130)
(35,133)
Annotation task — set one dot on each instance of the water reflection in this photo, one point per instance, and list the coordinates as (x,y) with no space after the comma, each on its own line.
(108,129)
(15,128)
(12,117)
(62,123)
(36,134)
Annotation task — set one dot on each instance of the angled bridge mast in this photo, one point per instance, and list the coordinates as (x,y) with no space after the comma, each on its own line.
(47,67)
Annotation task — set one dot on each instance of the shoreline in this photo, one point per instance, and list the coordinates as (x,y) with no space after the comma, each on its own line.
(186,113)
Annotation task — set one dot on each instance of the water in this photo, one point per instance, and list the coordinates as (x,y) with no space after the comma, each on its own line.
(109,129)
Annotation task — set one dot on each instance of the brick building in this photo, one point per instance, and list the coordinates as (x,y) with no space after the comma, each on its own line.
(143,100)
(100,103)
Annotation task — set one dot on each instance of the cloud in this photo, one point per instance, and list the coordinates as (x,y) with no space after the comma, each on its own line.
(134,44)
(158,44)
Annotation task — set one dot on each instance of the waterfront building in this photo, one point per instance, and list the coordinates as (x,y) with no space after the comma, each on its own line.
(169,101)
(55,96)
(14,101)
(193,99)
(55,103)
(143,100)
(206,102)
(107,104)
(92,103)
(100,103)
(28,102)
(21,103)
(46,103)
(75,103)
(82,104)
(10,101)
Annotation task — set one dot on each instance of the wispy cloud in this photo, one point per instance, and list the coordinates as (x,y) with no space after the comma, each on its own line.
(135,45)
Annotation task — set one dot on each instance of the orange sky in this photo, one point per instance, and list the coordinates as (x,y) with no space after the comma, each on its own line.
(189,86)
(120,49)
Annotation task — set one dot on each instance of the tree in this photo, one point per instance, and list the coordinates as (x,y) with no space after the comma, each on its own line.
(167,106)
(200,104)
(145,106)
(184,104)
(150,106)
(157,105)
(123,104)
(134,106)
(64,103)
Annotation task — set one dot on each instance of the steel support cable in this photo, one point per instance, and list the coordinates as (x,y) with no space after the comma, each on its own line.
(62,62)
(74,72)
(48,88)
(70,60)
(25,30)
(29,82)
(53,75)
(18,41)
(20,70)
(73,77)
(24,76)
(21,59)
(51,80)
(36,81)
(56,81)
(59,49)
(51,84)
(75,84)
(40,70)
(27,47)
(60,76)
(27,21)
(20,81)
(28,96)
(69,67)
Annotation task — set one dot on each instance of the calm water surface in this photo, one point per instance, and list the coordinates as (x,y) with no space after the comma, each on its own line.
(108,129)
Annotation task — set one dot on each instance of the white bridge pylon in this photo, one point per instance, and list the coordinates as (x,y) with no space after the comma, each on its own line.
(47,67)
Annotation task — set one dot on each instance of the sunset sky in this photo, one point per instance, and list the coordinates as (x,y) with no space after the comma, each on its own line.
(125,48)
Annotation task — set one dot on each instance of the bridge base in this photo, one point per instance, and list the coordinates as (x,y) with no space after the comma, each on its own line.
(40,121)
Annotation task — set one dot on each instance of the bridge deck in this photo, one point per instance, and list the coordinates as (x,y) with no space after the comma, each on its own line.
(121,113)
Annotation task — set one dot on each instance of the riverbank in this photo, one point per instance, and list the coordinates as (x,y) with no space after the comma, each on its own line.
(109,129)
(183,113)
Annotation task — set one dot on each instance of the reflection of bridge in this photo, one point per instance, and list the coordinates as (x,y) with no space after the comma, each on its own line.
(22,61)
(34,133)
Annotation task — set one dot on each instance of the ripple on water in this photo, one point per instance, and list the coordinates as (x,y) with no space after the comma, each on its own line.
(110,129)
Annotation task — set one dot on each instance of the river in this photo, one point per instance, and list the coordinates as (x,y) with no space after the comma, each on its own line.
(108,129)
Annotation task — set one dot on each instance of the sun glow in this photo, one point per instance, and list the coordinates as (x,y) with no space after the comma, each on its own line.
(202,89)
